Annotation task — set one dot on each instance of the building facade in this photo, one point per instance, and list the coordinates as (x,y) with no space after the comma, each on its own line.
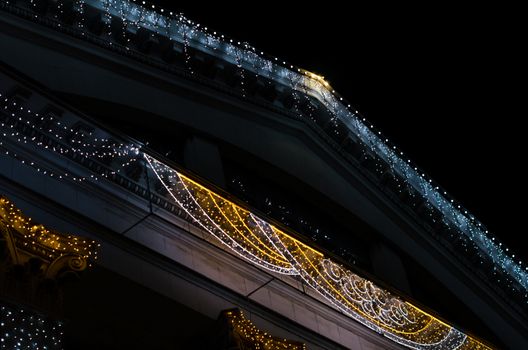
(215,177)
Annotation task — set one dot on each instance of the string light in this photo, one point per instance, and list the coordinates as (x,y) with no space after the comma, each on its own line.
(24,330)
(245,332)
(20,124)
(24,235)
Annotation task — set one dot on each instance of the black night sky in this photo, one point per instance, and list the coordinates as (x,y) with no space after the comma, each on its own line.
(448,85)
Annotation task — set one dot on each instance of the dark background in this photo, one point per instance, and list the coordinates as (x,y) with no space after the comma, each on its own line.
(445,84)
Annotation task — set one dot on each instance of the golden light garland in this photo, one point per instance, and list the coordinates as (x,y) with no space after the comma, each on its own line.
(269,247)
(26,239)
(245,331)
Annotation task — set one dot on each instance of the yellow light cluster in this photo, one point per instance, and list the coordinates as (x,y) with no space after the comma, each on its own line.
(271,248)
(247,332)
(34,239)
(316,77)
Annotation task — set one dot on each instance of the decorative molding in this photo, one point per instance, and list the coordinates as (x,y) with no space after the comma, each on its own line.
(36,262)
(30,243)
